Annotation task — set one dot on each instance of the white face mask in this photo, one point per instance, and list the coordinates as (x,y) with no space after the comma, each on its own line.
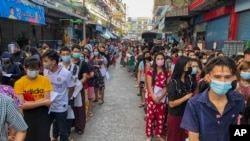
(204,61)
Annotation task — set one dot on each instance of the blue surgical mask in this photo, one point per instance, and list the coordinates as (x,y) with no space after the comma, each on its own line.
(194,70)
(76,55)
(66,58)
(245,75)
(32,74)
(96,53)
(219,87)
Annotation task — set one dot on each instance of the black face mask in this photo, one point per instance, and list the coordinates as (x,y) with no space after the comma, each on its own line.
(189,70)
(148,58)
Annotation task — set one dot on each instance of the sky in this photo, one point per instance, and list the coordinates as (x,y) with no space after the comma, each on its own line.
(139,8)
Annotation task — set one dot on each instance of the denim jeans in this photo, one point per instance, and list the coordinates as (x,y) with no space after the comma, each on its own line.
(60,125)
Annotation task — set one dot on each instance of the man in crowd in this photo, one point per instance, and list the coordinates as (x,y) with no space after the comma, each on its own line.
(208,115)
(63,87)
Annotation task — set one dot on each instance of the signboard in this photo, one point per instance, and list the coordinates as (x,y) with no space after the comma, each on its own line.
(18,10)
(118,15)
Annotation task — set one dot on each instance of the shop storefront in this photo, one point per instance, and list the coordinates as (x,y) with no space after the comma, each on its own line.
(243,10)
(217,28)
(20,21)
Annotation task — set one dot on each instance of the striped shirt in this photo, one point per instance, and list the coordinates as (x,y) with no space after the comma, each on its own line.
(10,116)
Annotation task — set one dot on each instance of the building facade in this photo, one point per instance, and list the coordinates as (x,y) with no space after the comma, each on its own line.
(136,26)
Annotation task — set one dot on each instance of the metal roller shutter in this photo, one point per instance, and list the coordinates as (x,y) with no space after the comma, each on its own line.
(217,31)
(243,32)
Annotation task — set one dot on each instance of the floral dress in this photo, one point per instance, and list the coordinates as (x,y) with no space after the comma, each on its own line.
(156,112)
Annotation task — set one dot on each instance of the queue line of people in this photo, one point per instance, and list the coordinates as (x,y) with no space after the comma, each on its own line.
(192,94)
(62,96)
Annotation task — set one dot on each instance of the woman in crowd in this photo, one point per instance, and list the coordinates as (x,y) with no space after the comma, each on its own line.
(80,114)
(244,86)
(196,71)
(156,86)
(131,59)
(34,92)
(180,90)
(91,92)
(142,68)
(203,58)
(98,81)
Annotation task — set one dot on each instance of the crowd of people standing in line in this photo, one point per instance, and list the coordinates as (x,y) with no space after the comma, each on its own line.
(189,93)
(52,88)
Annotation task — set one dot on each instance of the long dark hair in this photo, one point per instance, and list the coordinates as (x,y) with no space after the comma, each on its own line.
(154,66)
(144,59)
(179,67)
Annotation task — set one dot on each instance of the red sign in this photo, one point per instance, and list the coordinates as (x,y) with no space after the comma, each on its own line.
(195,4)
(217,13)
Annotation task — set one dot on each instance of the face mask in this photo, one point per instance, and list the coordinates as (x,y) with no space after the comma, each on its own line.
(47,66)
(32,74)
(220,88)
(96,53)
(189,70)
(86,60)
(76,55)
(169,65)
(179,54)
(160,63)
(245,75)
(66,58)
(194,71)
(168,54)
(204,61)
(81,58)
(148,58)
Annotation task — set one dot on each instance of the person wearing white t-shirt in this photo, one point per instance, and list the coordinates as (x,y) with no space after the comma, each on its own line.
(63,87)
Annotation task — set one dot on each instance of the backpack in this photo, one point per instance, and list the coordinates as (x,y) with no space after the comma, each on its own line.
(178,87)
(74,69)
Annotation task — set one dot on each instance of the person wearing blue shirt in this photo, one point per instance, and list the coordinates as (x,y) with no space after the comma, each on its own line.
(208,115)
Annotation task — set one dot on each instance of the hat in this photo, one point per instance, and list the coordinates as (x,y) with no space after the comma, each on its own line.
(6,54)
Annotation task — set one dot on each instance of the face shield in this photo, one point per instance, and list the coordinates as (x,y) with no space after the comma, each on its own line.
(12,48)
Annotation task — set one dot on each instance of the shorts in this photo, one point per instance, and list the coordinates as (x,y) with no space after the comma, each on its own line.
(91,92)
(142,84)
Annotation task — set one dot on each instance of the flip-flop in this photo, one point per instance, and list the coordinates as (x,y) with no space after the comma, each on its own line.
(140,106)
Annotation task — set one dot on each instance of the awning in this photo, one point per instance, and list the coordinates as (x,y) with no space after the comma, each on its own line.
(204,5)
(111,35)
(23,11)
(105,36)
(52,6)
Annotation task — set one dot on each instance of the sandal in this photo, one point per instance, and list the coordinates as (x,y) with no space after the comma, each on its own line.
(95,100)
(101,102)
(140,106)
(79,132)
(91,114)
(159,138)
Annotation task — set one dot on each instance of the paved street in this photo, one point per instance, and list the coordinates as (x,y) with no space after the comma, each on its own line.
(119,118)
